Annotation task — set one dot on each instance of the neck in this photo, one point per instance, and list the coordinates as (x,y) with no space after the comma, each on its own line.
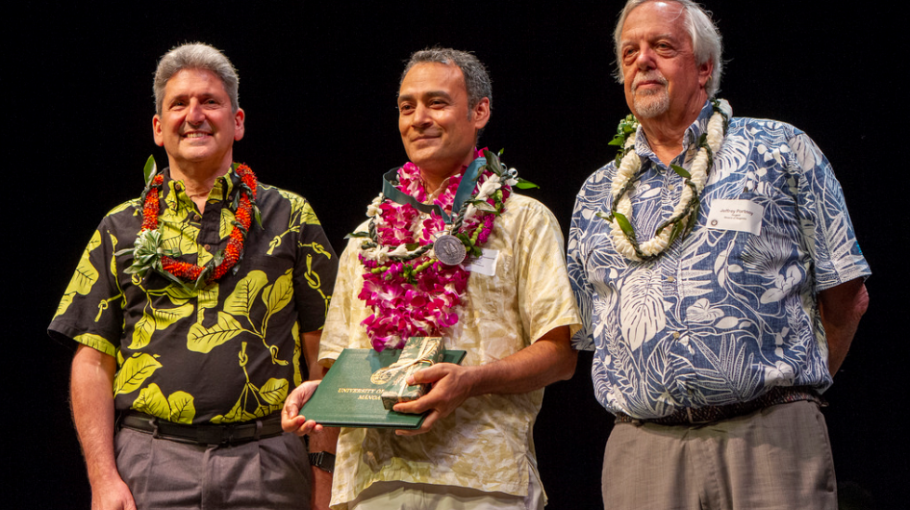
(198,180)
(666,132)
(433,178)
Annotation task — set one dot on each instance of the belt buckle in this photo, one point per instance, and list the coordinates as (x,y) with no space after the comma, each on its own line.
(211,434)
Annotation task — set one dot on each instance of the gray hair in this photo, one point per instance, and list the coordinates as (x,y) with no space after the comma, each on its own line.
(706,40)
(196,56)
(476,79)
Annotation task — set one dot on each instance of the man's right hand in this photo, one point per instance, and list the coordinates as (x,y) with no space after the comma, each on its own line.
(113,495)
(291,421)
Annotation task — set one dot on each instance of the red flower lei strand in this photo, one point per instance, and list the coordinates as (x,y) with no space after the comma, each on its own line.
(233,252)
(418,297)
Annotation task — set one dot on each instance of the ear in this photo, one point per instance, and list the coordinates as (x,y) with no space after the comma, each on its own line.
(156,131)
(239,129)
(704,72)
(481,113)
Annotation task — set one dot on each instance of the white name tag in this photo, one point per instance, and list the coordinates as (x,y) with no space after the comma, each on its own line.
(739,215)
(484,264)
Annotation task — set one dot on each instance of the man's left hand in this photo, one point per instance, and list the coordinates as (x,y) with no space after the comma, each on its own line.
(452,385)
(291,421)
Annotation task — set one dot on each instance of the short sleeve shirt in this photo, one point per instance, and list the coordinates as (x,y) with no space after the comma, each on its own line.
(487,443)
(723,315)
(231,350)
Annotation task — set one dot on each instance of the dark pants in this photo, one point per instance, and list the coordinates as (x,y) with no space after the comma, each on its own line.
(272,473)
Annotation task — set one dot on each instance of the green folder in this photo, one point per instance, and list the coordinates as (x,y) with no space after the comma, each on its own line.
(347,398)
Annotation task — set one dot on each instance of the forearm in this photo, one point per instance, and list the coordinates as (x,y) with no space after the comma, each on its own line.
(549,359)
(841,309)
(92,404)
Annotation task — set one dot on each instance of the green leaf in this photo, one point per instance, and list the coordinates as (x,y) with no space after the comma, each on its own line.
(142,331)
(357,234)
(258,215)
(682,172)
(150,169)
(603,216)
(618,140)
(240,302)
(525,184)
(134,372)
(204,340)
(274,391)
(152,402)
(181,407)
(677,229)
(625,225)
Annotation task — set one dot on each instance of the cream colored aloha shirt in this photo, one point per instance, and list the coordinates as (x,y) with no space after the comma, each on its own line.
(487,443)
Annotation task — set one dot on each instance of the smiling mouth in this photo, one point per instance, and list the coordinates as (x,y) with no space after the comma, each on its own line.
(196,134)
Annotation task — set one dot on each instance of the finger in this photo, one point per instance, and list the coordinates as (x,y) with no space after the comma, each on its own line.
(291,423)
(424,403)
(424,428)
(429,375)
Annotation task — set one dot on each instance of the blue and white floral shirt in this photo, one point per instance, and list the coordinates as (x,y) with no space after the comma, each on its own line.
(723,315)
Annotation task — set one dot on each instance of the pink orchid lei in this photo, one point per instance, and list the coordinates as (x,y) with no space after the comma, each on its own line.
(417,295)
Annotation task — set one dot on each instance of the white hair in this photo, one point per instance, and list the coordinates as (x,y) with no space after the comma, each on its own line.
(706,40)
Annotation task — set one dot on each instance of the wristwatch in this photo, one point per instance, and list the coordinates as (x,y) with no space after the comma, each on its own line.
(324,461)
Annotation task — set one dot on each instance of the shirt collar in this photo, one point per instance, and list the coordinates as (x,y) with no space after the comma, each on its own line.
(222,189)
(693,133)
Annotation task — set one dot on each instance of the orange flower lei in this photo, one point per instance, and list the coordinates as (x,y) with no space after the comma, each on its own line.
(216,268)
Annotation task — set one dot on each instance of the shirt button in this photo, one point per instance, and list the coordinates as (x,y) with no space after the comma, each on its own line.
(671,279)
(676,335)
(196,217)
(207,247)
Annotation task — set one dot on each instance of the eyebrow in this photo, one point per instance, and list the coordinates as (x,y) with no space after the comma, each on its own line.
(665,35)
(431,93)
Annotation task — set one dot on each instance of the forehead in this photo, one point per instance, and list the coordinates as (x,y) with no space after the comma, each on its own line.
(193,82)
(653,20)
(433,77)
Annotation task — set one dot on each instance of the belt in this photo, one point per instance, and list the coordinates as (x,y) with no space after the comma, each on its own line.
(702,415)
(229,434)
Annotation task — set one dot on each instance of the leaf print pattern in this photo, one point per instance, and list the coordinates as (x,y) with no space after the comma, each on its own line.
(723,315)
(177,349)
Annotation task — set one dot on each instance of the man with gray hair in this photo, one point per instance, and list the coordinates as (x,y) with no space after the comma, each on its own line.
(720,283)
(190,310)
(509,307)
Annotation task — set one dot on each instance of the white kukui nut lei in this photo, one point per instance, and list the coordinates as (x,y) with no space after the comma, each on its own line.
(685,213)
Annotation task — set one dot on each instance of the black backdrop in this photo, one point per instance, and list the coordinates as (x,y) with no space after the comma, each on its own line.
(318,84)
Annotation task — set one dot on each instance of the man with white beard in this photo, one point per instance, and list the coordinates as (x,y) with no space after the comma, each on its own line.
(720,283)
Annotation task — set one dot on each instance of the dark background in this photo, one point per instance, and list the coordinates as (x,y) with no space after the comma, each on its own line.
(318,83)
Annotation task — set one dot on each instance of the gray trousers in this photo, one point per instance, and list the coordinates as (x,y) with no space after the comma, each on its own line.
(775,458)
(272,473)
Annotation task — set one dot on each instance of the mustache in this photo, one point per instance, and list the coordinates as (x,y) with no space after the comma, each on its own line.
(652,75)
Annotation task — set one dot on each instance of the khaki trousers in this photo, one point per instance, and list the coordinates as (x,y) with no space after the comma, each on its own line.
(775,458)
(424,496)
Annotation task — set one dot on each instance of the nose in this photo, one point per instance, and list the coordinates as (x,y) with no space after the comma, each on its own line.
(421,117)
(645,58)
(194,113)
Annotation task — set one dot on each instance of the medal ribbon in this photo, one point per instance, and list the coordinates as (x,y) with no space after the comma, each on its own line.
(465,188)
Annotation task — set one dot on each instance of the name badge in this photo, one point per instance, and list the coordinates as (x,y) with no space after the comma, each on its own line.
(484,264)
(739,215)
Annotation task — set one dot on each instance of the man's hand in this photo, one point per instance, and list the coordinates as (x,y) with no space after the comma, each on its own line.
(841,308)
(92,402)
(291,421)
(112,495)
(549,359)
(452,385)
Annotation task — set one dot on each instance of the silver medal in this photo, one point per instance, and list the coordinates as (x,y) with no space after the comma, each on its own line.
(449,250)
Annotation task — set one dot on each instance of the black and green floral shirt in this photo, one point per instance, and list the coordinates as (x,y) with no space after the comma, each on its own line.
(228,352)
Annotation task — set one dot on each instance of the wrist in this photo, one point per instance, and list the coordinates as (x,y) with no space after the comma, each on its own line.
(323,460)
